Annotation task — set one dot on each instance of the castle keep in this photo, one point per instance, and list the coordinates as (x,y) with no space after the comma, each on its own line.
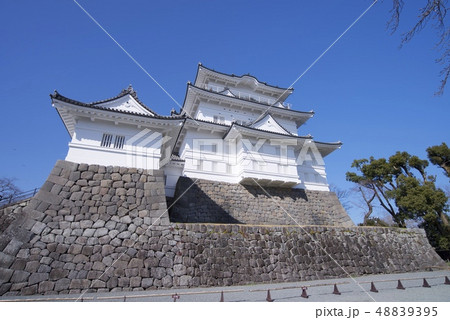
(214,194)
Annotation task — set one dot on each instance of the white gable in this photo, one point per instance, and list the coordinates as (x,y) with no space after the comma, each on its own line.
(127,104)
(269,124)
(227,92)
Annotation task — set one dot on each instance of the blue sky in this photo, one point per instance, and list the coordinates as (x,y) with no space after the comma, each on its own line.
(366,92)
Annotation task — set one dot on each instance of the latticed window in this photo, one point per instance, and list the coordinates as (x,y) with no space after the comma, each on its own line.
(118,143)
(106,140)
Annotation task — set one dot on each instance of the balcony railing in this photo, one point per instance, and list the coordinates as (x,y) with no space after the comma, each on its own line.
(247,96)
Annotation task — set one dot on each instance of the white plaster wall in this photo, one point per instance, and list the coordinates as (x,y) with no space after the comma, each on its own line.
(85,146)
(172,171)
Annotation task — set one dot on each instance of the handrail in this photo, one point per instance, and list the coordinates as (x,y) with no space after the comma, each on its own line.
(16,197)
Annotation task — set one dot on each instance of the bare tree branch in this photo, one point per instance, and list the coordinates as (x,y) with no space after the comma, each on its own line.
(434,11)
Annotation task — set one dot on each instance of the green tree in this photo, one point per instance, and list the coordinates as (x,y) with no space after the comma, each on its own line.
(401,186)
(440,156)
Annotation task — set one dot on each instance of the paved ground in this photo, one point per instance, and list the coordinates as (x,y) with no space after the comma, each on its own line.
(352,290)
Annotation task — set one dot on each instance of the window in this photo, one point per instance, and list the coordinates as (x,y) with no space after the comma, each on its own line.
(106,140)
(118,143)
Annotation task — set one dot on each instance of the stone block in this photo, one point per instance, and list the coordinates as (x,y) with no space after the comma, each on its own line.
(6,260)
(146,283)
(48,197)
(37,277)
(136,263)
(158,273)
(5,275)
(75,249)
(116,176)
(79,284)
(13,247)
(179,270)
(125,219)
(56,274)
(46,286)
(32,266)
(166,262)
(28,291)
(62,284)
(89,232)
(101,232)
(98,265)
(88,175)
(124,282)
(185,281)
(98,284)
(107,250)
(167,281)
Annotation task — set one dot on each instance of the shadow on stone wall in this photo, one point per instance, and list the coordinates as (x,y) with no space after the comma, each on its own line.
(220,202)
(195,206)
(281,193)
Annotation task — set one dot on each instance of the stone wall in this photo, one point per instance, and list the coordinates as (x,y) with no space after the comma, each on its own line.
(101,228)
(82,218)
(219,202)
(9,213)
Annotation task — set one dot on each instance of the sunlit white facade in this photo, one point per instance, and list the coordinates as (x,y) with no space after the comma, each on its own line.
(231,128)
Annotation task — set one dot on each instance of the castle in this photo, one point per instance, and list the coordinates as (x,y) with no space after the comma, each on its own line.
(232,129)
(224,192)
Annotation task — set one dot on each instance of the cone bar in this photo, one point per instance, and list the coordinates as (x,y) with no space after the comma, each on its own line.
(400,286)
(425,283)
(372,288)
(221,297)
(447,281)
(336,291)
(304,294)
(269,298)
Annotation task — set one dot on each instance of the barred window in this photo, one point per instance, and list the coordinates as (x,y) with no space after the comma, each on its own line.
(106,140)
(118,143)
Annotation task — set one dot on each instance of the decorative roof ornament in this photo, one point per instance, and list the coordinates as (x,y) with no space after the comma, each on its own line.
(130,89)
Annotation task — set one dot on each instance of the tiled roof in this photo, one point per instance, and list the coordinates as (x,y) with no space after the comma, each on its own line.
(97,104)
(246,75)
(271,106)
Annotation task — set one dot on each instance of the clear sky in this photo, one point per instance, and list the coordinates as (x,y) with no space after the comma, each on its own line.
(366,92)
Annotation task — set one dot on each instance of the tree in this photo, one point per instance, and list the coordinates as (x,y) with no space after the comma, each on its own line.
(434,12)
(402,188)
(368,197)
(343,196)
(440,156)
(7,188)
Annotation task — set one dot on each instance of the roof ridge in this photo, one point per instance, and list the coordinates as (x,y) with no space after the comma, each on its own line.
(246,75)
(129,90)
(58,96)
